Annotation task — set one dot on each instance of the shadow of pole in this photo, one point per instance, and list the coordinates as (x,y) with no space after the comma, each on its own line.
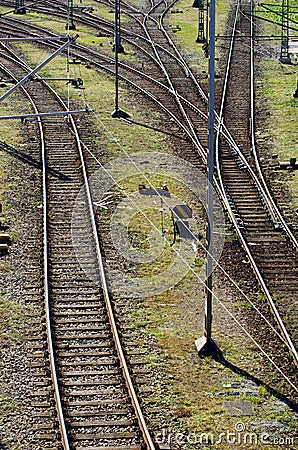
(218,357)
(23,157)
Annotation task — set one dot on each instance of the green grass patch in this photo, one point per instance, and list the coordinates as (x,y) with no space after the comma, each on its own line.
(276,89)
(278,86)
(11,318)
(273,11)
(187,20)
(10,133)
(87,36)
(117,137)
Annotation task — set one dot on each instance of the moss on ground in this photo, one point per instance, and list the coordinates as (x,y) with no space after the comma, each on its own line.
(196,388)
(184,27)
(275,86)
(11,318)
(279,129)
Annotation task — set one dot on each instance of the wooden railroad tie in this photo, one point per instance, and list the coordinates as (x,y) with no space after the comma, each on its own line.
(4,242)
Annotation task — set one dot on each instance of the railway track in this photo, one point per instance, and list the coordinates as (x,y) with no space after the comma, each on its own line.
(79,319)
(264,237)
(94,395)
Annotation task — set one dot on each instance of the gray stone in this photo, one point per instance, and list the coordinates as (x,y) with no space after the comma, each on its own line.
(239,408)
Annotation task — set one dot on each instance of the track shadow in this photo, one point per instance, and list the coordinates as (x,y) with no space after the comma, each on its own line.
(169,133)
(21,156)
(221,360)
(3,228)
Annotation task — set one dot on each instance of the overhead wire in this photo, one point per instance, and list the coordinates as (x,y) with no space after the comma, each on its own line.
(264,51)
(192,270)
(193,235)
(200,243)
(240,290)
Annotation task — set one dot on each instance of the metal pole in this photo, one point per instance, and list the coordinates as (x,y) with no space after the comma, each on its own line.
(70,23)
(209,268)
(118,113)
(45,62)
(284,52)
(117,43)
(205,345)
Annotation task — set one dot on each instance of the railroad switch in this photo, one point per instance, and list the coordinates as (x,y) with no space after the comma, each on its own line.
(83,7)
(76,82)
(176,28)
(101,34)
(164,191)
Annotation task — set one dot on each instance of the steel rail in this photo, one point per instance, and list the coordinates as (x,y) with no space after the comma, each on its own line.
(178,59)
(52,360)
(168,78)
(255,268)
(52,113)
(143,75)
(262,187)
(253,145)
(12,39)
(272,208)
(225,198)
(261,184)
(103,284)
(92,22)
(40,66)
(135,86)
